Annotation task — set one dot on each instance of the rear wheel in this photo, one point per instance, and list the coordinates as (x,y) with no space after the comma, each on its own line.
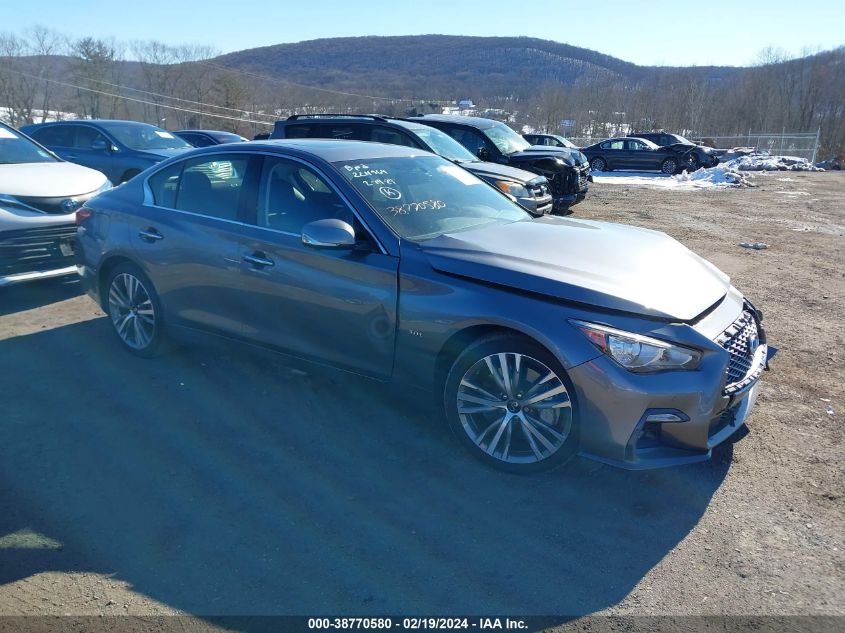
(669,166)
(598,164)
(510,403)
(135,311)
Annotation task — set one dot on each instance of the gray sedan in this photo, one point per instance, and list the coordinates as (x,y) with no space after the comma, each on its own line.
(542,337)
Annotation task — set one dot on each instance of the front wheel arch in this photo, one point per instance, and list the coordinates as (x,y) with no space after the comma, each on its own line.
(500,344)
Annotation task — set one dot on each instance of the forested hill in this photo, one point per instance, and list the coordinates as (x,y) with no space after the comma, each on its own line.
(424,66)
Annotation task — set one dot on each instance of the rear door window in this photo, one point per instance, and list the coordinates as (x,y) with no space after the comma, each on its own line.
(212,185)
(55,136)
(383,134)
(343,131)
(164,184)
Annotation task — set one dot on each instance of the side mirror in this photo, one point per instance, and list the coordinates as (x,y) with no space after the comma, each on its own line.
(100,146)
(483,154)
(329,233)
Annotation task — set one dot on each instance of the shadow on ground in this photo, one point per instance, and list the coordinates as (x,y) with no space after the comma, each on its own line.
(218,482)
(32,295)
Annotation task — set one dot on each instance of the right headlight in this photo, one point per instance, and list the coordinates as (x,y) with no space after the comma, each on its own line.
(636,352)
(513,188)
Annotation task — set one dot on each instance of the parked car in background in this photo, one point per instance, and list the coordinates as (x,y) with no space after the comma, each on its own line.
(634,153)
(541,337)
(529,189)
(39,196)
(567,170)
(695,155)
(549,140)
(119,149)
(205,138)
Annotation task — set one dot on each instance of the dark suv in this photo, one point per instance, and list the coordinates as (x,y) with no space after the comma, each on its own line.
(529,189)
(568,170)
(696,155)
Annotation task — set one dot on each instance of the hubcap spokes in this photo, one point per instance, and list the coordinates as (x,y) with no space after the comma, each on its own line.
(131,311)
(513,407)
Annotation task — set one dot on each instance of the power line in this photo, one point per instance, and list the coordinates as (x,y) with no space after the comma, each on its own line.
(144,101)
(157,94)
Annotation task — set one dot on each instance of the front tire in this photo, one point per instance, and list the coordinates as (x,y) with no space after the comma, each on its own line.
(598,164)
(669,166)
(692,162)
(134,310)
(511,404)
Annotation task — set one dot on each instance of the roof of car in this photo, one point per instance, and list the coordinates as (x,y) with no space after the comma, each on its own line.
(333,150)
(474,121)
(205,132)
(90,122)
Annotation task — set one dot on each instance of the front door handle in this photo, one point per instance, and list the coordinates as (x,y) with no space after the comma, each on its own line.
(150,235)
(258,260)
(71,156)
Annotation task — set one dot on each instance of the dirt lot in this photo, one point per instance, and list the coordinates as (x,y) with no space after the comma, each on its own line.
(215,482)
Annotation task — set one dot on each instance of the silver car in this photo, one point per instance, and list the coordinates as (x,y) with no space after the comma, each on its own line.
(541,337)
(39,195)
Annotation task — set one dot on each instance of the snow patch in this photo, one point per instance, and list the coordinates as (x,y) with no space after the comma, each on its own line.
(720,176)
(765,162)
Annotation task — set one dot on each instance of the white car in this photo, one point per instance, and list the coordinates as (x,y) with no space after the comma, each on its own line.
(39,196)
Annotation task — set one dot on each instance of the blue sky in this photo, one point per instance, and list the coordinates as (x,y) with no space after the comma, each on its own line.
(675,33)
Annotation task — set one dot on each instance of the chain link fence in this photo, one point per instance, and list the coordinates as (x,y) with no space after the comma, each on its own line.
(800,144)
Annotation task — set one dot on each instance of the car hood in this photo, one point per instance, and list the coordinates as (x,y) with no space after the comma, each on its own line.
(162,154)
(48,180)
(495,170)
(572,157)
(610,266)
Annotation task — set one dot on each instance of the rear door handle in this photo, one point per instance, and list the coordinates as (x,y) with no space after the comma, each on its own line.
(71,156)
(258,260)
(150,234)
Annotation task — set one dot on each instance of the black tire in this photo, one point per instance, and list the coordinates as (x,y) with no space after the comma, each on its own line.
(598,164)
(533,434)
(669,166)
(135,313)
(129,175)
(692,163)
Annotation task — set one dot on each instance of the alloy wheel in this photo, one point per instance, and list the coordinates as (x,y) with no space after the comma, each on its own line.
(669,166)
(514,408)
(131,311)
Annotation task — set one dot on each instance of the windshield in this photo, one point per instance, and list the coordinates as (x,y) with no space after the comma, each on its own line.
(648,143)
(566,142)
(227,137)
(681,139)
(423,197)
(19,149)
(443,144)
(144,137)
(505,139)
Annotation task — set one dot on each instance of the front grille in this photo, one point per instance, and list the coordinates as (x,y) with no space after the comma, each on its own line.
(741,340)
(56,206)
(583,179)
(36,249)
(541,193)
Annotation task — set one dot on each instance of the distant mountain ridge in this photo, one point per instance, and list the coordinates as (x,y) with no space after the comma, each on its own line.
(415,66)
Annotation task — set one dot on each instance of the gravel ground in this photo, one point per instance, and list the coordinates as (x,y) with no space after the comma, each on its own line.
(214,481)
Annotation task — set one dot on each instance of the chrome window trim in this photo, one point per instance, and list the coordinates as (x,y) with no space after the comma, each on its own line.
(148,200)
